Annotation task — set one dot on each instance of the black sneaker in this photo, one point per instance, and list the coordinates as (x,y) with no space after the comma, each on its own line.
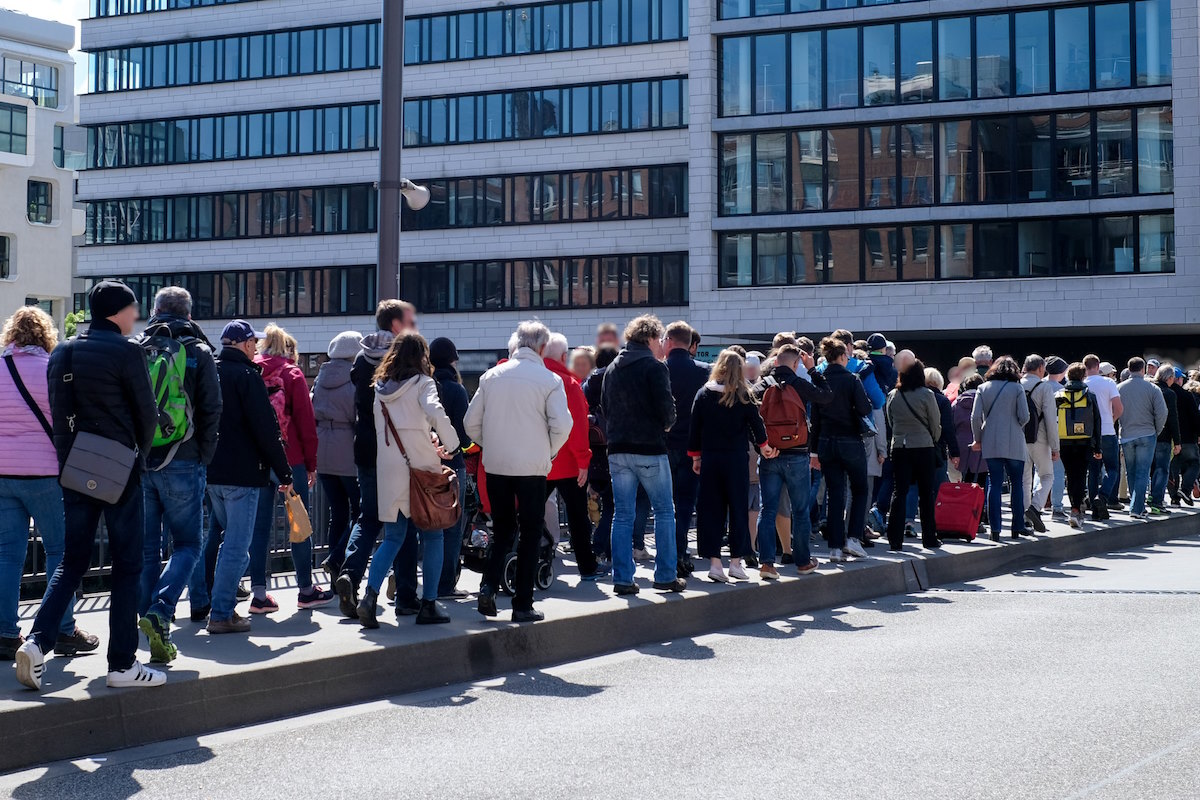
(347,596)
(787,558)
(9,646)
(623,589)
(201,614)
(487,603)
(1034,518)
(529,615)
(1114,505)
(78,642)
(243,593)
(677,585)
(751,560)
(432,613)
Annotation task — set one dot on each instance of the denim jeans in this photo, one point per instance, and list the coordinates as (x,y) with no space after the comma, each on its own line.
(652,473)
(20,499)
(844,465)
(264,528)
(1160,470)
(365,534)
(394,534)
(123,520)
(1110,467)
(1060,486)
(685,489)
(1139,454)
(452,540)
(790,468)
(341,493)
(1015,469)
(173,499)
(234,510)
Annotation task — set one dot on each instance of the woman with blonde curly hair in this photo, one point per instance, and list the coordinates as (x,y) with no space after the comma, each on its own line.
(29,473)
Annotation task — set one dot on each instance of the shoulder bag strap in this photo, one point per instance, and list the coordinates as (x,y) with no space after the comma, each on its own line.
(988,413)
(28,398)
(387,418)
(68,378)
(925,422)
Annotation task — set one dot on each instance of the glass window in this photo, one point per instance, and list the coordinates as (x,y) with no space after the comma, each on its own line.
(735,175)
(842,164)
(1113,60)
(997,256)
(805,256)
(1034,157)
(40,199)
(771,259)
(994,145)
(1073,156)
(1032,52)
(736,259)
(1153,35)
(842,80)
(915,253)
(916,62)
(736,76)
(1156,150)
(770,74)
(992,59)
(955,162)
(806,70)
(770,173)
(1073,247)
(1114,152)
(14,136)
(843,264)
(916,164)
(1072,50)
(1156,243)
(879,246)
(1116,244)
(467,36)
(807,163)
(879,65)
(956,248)
(879,166)
(1035,246)
(954,58)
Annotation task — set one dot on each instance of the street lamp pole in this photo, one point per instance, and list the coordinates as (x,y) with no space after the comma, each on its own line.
(391,140)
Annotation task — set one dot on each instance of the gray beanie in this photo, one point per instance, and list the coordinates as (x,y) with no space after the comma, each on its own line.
(345,345)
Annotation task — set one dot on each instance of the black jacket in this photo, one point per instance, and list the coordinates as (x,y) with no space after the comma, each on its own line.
(454,399)
(362,375)
(1189,415)
(720,428)
(201,385)
(110,391)
(593,389)
(948,442)
(842,416)
(687,378)
(1170,431)
(250,446)
(637,402)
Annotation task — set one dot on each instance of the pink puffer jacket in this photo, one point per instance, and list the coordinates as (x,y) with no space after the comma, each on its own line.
(25,449)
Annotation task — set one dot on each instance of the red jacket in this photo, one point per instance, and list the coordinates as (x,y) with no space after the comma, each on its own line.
(301,440)
(576,454)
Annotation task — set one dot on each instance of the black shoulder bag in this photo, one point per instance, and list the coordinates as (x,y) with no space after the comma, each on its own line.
(96,467)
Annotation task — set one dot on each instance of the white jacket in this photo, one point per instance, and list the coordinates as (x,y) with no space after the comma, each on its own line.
(519,416)
(415,410)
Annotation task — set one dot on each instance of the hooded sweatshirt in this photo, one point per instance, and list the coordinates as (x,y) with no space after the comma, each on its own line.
(414,410)
(333,407)
(362,375)
(637,402)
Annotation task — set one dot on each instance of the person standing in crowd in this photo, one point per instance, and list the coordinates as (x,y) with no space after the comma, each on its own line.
(724,417)
(1079,424)
(687,379)
(998,420)
(406,410)
(520,417)
(837,438)
(249,449)
(29,476)
(1056,376)
(174,485)
(1100,383)
(983,360)
(1168,444)
(99,384)
(789,470)
(569,472)
(1186,464)
(392,318)
(640,410)
(884,364)
(947,445)
(287,389)
(583,362)
(599,479)
(1143,419)
(333,409)
(914,432)
(1041,454)
(964,369)
(607,335)
(453,397)
(971,464)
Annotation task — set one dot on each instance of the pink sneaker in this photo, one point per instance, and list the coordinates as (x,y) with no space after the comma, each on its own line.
(265,606)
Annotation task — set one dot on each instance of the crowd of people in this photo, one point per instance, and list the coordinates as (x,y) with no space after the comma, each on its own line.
(842,440)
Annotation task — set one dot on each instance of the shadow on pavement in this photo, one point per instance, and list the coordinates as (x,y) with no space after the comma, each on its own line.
(540,684)
(117,781)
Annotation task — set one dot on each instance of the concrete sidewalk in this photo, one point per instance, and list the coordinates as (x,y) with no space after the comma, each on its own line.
(297,661)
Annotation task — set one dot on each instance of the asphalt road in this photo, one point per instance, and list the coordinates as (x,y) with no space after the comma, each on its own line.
(1069,681)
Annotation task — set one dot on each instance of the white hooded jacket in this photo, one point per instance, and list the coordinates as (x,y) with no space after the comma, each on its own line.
(415,411)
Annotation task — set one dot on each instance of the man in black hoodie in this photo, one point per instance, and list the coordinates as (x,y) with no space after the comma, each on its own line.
(687,379)
(1186,464)
(174,486)
(640,410)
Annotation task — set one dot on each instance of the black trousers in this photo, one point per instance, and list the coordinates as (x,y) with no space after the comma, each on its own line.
(913,465)
(518,502)
(1077,461)
(578,523)
(724,495)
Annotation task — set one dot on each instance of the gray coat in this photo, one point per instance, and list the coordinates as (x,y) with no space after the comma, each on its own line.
(333,405)
(915,424)
(998,420)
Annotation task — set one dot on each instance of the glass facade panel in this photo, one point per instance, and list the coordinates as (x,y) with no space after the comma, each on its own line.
(992,57)
(843,162)
(1073,156)
(879,65)
(736,83)
(1034,157)
(770,72)
(1072,50)
(1114,56)
(1031,52)
(1156,248)
(842,80)
(954,58)
(806,70)
(1156,150)
(916,62)
(1114,152)
(1153,42)
(770,172)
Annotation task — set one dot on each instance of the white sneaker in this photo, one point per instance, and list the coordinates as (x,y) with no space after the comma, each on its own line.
(836,555)
(641,555)
(737,571)
(136,676)
(30,664)
(855,548)
(717,574)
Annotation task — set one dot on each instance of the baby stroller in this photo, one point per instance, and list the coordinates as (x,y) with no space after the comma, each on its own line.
(477,535)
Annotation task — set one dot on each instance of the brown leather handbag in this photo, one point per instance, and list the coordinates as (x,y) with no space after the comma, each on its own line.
(432,496)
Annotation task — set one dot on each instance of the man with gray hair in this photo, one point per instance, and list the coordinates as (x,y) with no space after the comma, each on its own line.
(1043,452)
(520,417)
(983,358)
(188,394)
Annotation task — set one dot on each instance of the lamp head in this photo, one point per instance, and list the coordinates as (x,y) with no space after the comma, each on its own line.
(416,196)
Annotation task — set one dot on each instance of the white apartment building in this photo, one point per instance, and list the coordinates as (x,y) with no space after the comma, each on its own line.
(937,170)
(37,112)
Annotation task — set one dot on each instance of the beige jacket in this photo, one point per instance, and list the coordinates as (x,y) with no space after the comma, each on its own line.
(415,411)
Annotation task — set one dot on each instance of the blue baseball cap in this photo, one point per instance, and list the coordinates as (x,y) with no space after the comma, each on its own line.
(240,331)
(1180,373)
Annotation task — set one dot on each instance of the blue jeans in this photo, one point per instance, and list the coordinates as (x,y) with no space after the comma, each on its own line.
(264,527)
(1060,486)
(652,473)
(1110,466)
(1139,454)
(173,498)
(790,469)
(20,499)
(1015,468)
(234,510)
(1159,472)
(394,534)
(365,534)
(451,542)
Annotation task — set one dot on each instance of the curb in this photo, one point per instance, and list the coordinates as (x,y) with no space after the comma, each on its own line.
(57,730)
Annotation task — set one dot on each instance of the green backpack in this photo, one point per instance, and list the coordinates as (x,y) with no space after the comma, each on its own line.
(166,359)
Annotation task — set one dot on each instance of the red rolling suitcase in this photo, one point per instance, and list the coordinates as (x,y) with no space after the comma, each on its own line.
(959,509)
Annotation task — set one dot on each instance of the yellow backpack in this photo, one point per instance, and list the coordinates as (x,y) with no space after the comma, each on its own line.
(1076,420)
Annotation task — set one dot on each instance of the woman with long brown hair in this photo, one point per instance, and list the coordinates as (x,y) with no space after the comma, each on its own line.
(407,408)
(724,417)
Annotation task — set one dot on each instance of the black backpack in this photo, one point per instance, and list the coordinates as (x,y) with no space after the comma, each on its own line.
(1035,418)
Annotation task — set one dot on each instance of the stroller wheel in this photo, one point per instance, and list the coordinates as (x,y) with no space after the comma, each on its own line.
(545,575)
(509,579)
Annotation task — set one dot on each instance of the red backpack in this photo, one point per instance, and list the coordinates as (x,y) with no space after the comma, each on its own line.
(784,415)
(277,394)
